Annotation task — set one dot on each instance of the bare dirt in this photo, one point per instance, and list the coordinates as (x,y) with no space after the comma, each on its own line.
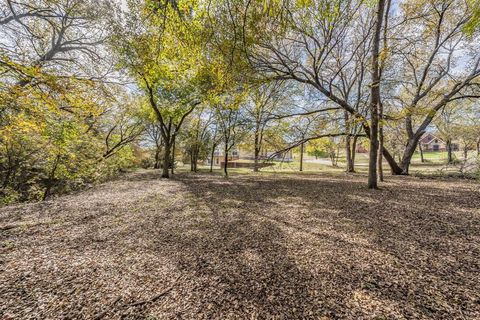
(249,247)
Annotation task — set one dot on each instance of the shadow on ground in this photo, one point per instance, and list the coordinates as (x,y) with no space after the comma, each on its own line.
(409,250)
(253,246)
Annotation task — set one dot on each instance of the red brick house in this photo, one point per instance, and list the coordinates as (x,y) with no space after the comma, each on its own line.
(360,148)
(430,142)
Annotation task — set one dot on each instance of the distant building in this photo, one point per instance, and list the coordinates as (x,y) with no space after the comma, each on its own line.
(360,148)
(247,156)
(219,157)
(286,156)
(430,142)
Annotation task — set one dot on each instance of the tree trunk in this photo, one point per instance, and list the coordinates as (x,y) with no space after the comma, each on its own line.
(395,168)
(256,151)
(354,151)
(332,158)
(212,154)
(301,156)
(422,159)
(372,165)
(172,164)
(195,159)
(156,165)
(449,151)
(225,167)
(46,194)
(408,154)
(192,169)
(380,143)
(166,161)
(348,152)
(375,98)
(50,179)
(349,155)
(478,148)
(465,153)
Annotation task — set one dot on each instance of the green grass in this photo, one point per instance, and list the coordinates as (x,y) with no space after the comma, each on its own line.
(434,161)
(433,156)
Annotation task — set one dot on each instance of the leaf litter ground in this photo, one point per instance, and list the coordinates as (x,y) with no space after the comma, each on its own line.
(199,246)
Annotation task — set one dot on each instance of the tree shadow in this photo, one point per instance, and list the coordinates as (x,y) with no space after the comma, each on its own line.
(262,246)
(239,267)
(410,247)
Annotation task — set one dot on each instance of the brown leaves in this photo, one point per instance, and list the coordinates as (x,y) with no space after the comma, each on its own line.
(252,247)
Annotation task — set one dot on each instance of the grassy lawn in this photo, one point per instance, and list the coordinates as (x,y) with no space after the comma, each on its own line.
(254,246)
(434,161)
(434,157)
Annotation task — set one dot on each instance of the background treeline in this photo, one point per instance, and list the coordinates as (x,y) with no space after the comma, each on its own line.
(64,123)
(91,88)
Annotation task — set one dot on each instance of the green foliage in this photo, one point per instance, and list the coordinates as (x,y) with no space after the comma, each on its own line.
(44,149)
(51,140)
(474,21)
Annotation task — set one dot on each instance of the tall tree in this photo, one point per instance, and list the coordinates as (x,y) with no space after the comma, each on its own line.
(231,123)
(263,108)
(165,54)
(429,80)
(375,96)
(196,136)
(54,102)
(302,38)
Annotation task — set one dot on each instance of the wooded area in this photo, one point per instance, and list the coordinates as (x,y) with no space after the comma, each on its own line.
(90,88)
(258,103)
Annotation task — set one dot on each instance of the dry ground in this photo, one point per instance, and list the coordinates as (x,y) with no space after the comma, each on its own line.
(252,246)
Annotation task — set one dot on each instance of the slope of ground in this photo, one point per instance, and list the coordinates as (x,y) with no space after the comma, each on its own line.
(248,247)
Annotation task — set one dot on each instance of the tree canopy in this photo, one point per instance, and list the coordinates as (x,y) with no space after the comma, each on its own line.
(90,88)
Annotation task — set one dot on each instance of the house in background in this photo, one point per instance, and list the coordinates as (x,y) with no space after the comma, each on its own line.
(219,157)
(286,156)
(239,155)
(360,148)
(430,142)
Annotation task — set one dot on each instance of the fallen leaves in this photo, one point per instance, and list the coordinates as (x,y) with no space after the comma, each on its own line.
(253,247)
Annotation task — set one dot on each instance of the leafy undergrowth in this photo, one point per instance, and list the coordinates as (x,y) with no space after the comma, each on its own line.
(252,246)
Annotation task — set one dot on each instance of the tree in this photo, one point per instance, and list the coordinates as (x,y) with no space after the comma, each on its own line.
(215,141)
(60,37)
(375,96)
(125,124)
(263,108)
(463,124)
(316,43)
(474,20)
(427,75)
(302,39)
(53,140)
(165,54)
(301,129)
(54,100)
(325,146)
(445,125)
(155,137)
(231,124)
(196,136)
